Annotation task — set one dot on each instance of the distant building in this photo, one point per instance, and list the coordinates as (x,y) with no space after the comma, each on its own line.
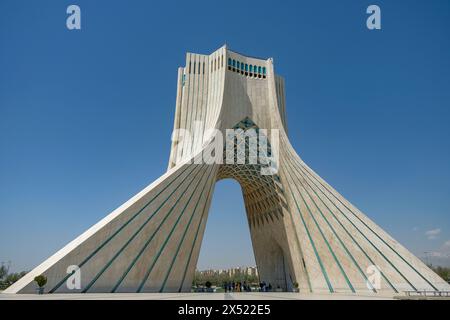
(244,271)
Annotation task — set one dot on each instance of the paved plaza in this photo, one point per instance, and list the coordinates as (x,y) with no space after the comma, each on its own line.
(193,296)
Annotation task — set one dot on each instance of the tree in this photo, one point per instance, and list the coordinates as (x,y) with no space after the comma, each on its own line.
(443,272)
(14,277)
(7,279)
(3,272)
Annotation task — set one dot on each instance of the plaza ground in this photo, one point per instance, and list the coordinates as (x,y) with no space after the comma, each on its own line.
(193,296)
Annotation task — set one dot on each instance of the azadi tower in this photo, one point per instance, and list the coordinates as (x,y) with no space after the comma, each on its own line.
(303,231)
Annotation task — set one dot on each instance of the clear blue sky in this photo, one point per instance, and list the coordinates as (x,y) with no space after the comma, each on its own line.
(86,116)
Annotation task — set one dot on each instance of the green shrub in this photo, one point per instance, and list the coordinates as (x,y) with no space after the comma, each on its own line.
(41,280)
